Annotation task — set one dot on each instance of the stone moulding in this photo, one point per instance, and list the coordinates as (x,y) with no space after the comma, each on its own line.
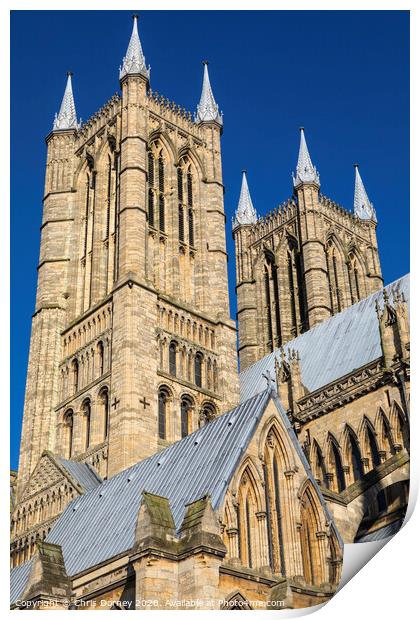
(338,393)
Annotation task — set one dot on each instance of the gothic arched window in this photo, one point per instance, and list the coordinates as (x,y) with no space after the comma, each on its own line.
(104,401)
(354,268)
(156,181)
(337,466)
(161,172)
(249,539)
(186,406)
(272,302)
(372,447)
(100,358)
(293,310)
(208,413)
(75,370)
(248,531)
(400,427)
(355,458)
(68,430)
(312,570)
(319,469)
(198,369)
(386,436)
(185,200)
(86,413)
(162,412)
(279,514)
(172,358)
(151,211)
(273,459)
(190,207)
(87,204)
(335,263)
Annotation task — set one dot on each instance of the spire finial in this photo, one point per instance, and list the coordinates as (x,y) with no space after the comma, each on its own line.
(134,61)
(245,213)
(207,109)
(66,118)
(363,208)
(305,170)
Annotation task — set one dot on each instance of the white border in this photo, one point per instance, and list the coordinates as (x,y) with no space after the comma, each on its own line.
(387,587)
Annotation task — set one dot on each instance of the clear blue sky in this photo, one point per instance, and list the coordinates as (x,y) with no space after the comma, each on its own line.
(343,75)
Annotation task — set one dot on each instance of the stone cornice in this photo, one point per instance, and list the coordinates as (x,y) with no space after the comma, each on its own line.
(243,572)
(344,390)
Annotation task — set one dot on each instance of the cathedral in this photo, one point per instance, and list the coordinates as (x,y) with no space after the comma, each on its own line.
(152,474)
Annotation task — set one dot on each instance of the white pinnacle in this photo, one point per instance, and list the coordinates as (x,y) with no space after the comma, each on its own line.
(363,208)
(245,213)
(207,109)
(305,170)
(66,118)
(134,61)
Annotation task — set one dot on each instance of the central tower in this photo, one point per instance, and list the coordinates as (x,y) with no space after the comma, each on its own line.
(132,346)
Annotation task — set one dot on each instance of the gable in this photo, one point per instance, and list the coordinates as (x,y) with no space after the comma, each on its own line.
(51,470)
(46,474)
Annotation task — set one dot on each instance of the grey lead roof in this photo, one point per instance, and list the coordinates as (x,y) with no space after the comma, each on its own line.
(332,349)
(18,580)
(85,475)
(101,524)
(384,532)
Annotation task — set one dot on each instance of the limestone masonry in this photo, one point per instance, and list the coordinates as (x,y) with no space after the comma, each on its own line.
(145,479)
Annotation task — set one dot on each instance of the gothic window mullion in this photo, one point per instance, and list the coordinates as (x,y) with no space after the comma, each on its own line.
(337,285)
(181,223)
(350,276)
(190,209)
(268,307)
(292,294)
(330,283)
(295,290)
(161,186)
(279,516)
(108,198)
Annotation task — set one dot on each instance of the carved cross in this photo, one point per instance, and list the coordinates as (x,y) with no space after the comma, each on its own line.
(115,402)
(144,402)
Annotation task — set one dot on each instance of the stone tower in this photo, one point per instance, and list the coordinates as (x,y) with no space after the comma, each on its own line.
(301,263)
(132,346)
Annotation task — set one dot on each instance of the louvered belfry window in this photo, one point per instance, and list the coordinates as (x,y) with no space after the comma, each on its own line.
(190,209)
(151,179)
(185,203)
(172,358)
(161,167)
(163,398)
(156,194)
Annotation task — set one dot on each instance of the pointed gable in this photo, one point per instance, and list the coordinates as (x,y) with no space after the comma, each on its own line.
(52,470)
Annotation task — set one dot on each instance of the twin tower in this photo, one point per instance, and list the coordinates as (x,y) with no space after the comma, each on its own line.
(132,346)
(302,263)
